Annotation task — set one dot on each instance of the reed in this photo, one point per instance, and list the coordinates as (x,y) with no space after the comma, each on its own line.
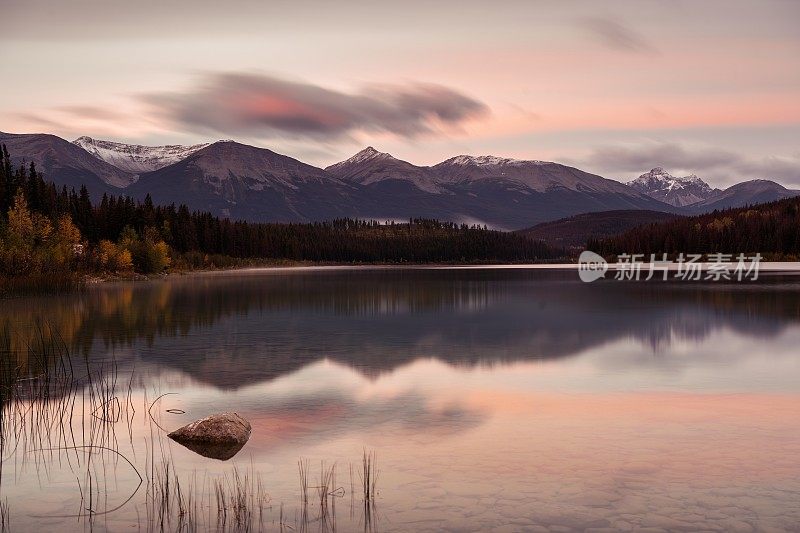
(241,496)
(40,283)
(5,517)
(369,475)
(327,492)
(327,482)
(56,407)
(302,467)
(50,413)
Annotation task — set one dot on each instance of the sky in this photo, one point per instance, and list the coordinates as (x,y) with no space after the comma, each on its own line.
(709,87)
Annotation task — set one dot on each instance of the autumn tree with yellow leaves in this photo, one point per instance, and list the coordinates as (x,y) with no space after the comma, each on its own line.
(31,243)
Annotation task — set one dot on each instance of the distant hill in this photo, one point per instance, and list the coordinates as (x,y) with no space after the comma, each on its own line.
(770,229)
(575,231)
(64,163)
(743,194)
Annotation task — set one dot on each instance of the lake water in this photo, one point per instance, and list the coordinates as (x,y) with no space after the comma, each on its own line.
(507,400)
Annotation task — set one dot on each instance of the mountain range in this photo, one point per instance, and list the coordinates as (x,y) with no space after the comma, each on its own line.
(235,180)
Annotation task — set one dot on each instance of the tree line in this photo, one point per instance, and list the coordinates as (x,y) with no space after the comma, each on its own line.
(772,229)
(44,228)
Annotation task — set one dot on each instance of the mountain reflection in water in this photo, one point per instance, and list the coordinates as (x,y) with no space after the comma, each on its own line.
(230,330)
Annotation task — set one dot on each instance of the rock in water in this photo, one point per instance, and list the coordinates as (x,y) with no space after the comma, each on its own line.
(219,436)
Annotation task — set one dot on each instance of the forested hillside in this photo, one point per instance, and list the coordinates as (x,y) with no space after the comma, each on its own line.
(573,232)
(772,229)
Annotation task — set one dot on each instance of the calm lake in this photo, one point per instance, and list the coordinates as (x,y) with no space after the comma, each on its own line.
(489,399)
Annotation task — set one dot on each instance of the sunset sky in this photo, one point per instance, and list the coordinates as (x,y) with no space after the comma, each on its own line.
(710,87)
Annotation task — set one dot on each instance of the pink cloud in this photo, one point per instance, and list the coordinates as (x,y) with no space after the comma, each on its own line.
(251,104)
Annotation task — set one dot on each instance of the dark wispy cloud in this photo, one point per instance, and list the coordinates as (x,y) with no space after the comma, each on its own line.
(785,169)
(724,166)
(261,105)
(615,35)
(626,158)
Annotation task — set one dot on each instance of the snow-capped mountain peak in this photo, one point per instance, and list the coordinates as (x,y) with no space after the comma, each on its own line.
(367,154)
(677,191)
(660,177)
(136,158)
(488,161)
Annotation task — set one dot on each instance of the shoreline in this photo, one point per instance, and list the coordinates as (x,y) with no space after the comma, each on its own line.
(89,280)
(310,265)
(787,267)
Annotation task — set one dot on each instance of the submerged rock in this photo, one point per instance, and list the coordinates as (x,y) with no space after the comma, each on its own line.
(219,436)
